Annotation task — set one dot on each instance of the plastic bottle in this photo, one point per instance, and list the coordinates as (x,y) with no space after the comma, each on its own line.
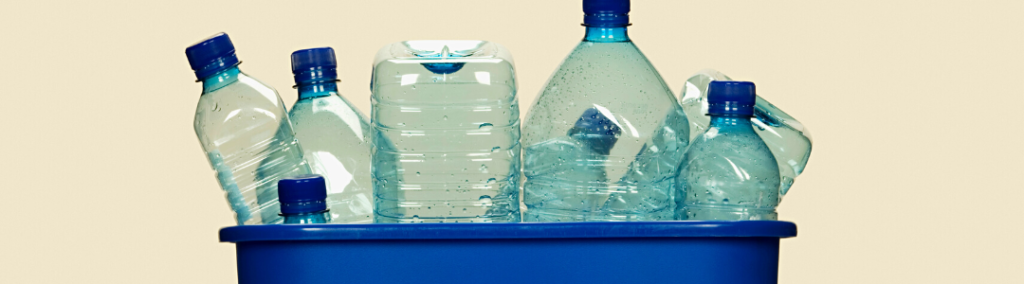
(335,136)
(244,130)
(605,135)
(728,173)
(304,199)
(789,140)
(446,133)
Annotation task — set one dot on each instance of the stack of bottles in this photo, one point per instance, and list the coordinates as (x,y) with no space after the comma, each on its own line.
(606,139)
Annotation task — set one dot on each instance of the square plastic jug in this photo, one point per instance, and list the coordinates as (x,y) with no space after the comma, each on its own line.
(446,133)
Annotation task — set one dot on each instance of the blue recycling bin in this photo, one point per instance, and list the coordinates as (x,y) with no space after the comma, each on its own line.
(598,252)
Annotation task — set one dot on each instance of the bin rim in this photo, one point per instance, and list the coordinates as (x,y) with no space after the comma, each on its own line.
(491,231)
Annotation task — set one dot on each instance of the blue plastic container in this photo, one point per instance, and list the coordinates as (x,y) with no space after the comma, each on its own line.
(595,252)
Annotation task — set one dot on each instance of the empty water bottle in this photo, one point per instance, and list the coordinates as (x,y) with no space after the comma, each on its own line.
(788,139)
(728,173)
(446,133)
(304,199)
(334,135)
(244,130)
(605,136)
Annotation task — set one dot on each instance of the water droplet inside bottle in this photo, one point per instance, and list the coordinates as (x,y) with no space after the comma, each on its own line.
(495,149)
(445,117)
(492,181)
(483,168)
(486,201)
(486,127)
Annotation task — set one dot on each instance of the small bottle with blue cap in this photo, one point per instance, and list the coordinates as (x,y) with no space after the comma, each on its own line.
(304,199)
(789,139)
(728,173)
(617,162)
(244,129)
(335,136)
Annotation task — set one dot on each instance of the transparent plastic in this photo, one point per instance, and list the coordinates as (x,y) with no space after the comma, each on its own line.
(446,133)
(244,129)
(603,138)
(728,173)
(788,139)
(336,143)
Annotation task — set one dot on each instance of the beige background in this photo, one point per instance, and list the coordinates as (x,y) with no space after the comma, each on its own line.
(914,107)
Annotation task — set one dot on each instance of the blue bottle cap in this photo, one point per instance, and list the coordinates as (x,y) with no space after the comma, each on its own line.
(596,130)
(606,13)
(314,65)
(731,98)
(212,55)
(302,194)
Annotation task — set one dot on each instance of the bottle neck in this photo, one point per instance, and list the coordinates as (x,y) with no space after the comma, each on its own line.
(317,89)
(606,34)
(220,79)
(731,121)
(321,217)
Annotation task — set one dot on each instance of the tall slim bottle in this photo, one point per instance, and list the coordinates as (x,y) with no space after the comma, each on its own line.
(335,136)
(244,129)
(605,136)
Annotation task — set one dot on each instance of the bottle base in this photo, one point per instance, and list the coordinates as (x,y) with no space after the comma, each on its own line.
(555,215)
(725,213)
(511,218)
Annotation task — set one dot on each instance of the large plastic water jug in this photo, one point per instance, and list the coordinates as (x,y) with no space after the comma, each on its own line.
(445,132)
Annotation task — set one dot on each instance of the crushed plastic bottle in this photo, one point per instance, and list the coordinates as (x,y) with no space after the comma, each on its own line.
(728,173)
(788,139)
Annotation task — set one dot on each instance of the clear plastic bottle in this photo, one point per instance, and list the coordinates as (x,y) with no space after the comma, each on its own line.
(446,133)
(728,173)
(244,130)
(304,199)
(605,135)
(789,140)
(335,136)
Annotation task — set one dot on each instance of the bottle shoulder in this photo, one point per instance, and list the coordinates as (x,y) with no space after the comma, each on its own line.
(327,107)
(734,146)
(243,104)
(606,72)
(330,120)
(244,91)
(729,169)
(613,77)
